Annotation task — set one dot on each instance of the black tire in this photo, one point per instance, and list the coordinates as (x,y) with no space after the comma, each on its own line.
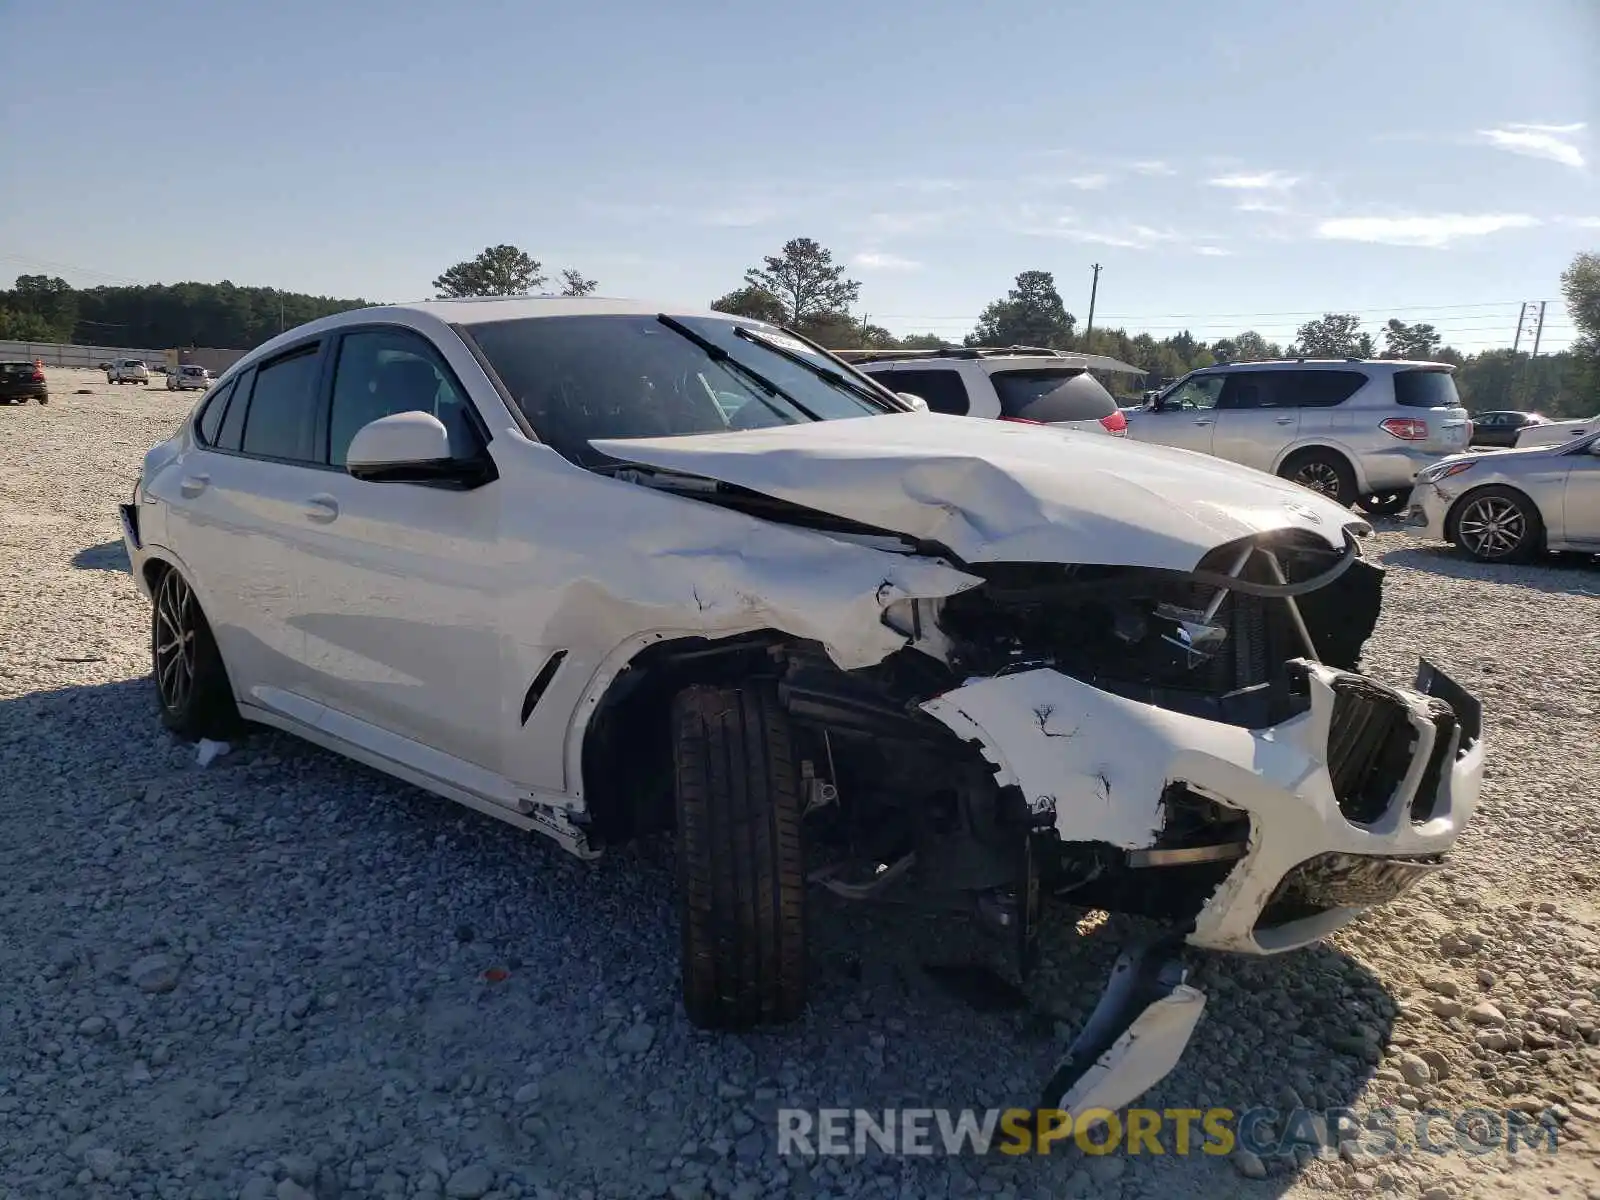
(192,684)
(44,400)
(1384,504)
(1496,524)
(1324,471)
(741,870)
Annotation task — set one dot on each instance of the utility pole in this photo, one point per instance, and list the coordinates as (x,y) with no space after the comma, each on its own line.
(1532,313)
(1094,288)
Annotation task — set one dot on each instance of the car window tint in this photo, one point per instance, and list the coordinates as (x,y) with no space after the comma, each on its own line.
(232,431)
(942,389)
(385,371)
(1251,389)
(577,379)
(1318,389)
(211,415)
(1426,389)
(281,421)
(1052,394)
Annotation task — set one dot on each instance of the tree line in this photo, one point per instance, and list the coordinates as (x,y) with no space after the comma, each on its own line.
(802,287)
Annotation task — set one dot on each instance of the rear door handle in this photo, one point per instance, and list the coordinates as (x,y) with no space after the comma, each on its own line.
(321,509)
(1285,420)
(1202,420)
(192,485)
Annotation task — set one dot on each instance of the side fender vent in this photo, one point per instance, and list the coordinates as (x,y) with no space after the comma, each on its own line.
(541,683)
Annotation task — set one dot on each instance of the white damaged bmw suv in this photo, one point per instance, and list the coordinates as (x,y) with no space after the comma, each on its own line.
(601,570)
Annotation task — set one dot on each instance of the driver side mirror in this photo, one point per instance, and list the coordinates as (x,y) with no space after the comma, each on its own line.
(916,402)
(405,447)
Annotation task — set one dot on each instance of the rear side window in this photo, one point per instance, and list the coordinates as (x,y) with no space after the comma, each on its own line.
(1426,389)
(942,389)
(281,421)
(211,415)
(232,431)
(1289,389)
(1052,395)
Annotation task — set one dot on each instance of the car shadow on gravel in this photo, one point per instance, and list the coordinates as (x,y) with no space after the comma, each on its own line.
(451,947)
(107,556)
(1566,574)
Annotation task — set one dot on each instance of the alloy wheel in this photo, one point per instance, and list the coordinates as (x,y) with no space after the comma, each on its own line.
(174,641)
(1492,527)
(1320,477)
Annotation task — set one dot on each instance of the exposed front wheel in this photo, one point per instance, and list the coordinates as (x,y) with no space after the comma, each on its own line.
(741,872)
(1323,472)
(1497,524)
(191,682)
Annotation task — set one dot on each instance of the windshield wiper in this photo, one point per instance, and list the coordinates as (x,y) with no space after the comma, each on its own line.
(718,354)
(837,378)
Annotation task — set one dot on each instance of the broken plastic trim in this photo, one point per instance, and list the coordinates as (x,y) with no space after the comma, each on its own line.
(1280,591)
(1136,1034)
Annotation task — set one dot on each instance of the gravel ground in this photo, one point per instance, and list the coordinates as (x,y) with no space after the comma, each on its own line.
(287,976)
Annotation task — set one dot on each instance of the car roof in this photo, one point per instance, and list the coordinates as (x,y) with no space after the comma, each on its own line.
(1323,364)
(476,310)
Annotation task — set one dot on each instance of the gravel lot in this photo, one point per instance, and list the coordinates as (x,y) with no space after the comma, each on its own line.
(286,976)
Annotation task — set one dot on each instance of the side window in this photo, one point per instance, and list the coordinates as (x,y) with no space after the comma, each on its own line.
(232,432)
(942,389)
(211,415)
(281,421)
(1319,389)
(385,371)
(1200,392)
(1252,389)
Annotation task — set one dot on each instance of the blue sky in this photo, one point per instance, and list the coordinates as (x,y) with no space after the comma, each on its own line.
(1231,165)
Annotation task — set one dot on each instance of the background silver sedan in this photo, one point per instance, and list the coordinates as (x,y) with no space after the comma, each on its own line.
(1509,505)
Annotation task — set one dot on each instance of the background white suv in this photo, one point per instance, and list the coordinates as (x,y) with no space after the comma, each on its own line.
(1358,431)
(188,378)
(1015,383)
(128,370)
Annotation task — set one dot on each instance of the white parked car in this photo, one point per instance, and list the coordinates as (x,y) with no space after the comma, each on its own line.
(598,570)
(128,370)
(1011,383)
(188,378)
(1556,433)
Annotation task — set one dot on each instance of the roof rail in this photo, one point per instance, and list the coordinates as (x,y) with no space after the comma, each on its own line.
(968,352)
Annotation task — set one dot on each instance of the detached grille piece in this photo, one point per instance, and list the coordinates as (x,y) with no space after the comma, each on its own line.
(1370,742)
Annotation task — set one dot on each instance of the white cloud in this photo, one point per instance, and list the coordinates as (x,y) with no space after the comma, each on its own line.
(873,260)
(1260,181)
(1582,222)
(1436,230)
(1125,236)
(1151,166)
(1212,251)
(1261,206)
(1089,183)
(1558,143)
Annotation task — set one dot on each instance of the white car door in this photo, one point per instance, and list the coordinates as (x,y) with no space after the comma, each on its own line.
(1580,501)
(397,579)
(232,502)
(1185,417)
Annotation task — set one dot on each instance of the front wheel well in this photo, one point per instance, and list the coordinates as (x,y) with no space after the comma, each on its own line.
(627,747)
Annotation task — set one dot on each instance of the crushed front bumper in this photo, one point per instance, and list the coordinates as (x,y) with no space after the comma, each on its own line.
(1349,802)
(1429,508)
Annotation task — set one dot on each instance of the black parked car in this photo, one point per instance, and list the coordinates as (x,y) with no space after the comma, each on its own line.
(1501,428)
(21,381)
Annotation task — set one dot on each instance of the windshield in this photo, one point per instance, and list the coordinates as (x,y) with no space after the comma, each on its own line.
(582,378)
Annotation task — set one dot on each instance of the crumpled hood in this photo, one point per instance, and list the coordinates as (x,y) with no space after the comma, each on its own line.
(993,491)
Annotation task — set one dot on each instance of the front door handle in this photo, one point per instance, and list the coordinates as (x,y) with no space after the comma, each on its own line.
(1285,420)
(1202,420)
(321,509)
(192,485)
